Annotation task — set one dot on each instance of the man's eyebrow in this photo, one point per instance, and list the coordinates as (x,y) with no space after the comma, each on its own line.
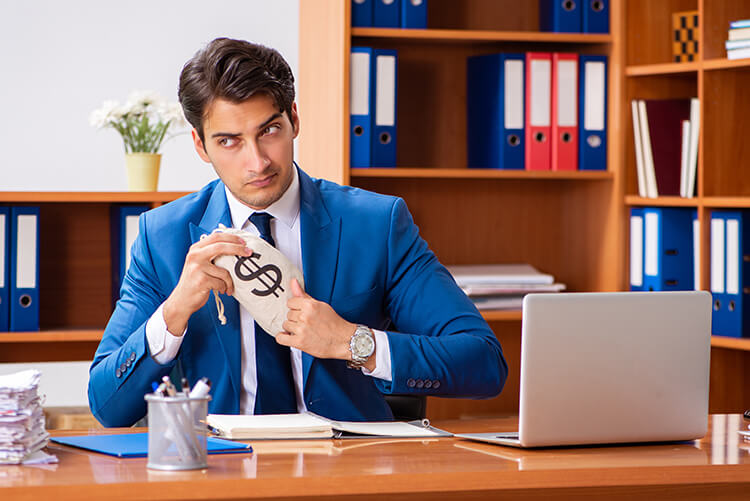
(237,134)
(271,119)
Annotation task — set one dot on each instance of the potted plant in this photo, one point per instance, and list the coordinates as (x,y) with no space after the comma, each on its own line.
(143,122)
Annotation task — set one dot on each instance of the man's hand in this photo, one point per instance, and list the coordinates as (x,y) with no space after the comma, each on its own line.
(199,277)
(313,327)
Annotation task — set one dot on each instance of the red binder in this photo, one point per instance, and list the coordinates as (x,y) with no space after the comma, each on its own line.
(564,134)
(538,107)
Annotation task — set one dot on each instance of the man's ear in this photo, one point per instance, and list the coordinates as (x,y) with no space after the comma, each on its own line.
(295,120)
(200,147)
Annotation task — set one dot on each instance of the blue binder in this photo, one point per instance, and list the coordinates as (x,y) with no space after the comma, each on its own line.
(384,79)
(414,14)
(24,268)
(386,13)
(560,16)
(135,445)
(495,111)
(124,229)
(595,16)
(4,269)
(637,246)
(592,113)
(668,249)
(736,311)
(718,271)
(362,13)
(360,107)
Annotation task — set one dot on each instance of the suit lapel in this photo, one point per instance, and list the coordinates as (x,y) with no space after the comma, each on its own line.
(217,211)
(319,234)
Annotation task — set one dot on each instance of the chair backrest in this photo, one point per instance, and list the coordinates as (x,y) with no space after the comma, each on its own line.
(407,407)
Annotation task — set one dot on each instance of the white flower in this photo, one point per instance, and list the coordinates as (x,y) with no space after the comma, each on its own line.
(140,101)
(172,113)
(105,115)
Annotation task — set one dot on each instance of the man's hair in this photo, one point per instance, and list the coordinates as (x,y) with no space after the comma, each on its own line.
(234,70)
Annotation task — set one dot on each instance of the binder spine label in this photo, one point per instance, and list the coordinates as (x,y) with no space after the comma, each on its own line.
(26,252)
(385,112)
(594,92)
(514,89)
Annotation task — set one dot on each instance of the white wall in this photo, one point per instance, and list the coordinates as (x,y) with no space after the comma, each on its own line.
(59,59)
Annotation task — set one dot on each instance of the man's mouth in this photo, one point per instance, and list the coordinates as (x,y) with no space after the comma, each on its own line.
(262,182)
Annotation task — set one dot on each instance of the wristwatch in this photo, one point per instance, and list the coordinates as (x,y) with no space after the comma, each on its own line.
(362,346)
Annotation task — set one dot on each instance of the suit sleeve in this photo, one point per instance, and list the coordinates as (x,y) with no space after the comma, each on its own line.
(443,345)
(123,369)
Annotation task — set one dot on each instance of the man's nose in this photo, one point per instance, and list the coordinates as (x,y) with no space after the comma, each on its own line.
(256,159)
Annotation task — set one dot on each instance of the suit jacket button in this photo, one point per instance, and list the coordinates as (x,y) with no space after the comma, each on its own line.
(123,367)
(411,383)
(420,383)
(132,357)
(128,363)
(436,384)
(428,384)
(118,373)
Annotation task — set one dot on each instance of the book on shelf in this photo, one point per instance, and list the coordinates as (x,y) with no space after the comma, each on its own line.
(502,286)
(665,133)
(311,426)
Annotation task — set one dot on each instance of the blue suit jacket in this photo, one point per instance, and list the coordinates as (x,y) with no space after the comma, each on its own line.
(361,253)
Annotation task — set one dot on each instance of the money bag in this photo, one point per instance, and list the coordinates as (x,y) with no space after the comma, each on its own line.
(261,280)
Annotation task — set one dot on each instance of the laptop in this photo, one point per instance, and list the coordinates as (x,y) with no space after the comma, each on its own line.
(606,368)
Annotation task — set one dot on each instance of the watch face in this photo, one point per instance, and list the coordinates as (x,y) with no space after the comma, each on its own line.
(363,345)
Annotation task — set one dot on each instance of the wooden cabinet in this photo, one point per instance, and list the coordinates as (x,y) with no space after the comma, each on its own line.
(572,225)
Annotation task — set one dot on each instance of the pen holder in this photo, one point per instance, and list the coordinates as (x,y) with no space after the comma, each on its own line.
(177,432)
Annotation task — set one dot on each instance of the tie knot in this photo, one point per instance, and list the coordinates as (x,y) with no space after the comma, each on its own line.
(262,221)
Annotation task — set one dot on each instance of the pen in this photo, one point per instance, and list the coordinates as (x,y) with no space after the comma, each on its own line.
(171,391)
(201,388)
(185,385)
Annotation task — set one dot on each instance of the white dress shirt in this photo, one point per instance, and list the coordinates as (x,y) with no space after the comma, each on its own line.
(285,228)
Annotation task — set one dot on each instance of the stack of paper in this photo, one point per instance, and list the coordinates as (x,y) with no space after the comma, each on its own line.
(22,433)
(501,286)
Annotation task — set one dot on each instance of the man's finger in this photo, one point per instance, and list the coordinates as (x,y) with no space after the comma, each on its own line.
(297,289)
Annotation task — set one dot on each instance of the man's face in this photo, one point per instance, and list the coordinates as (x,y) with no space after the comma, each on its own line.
(250,144)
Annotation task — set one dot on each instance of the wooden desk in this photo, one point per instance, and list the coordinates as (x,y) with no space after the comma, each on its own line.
(717,466)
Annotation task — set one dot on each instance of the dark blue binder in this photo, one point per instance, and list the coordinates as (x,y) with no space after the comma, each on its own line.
(384,87)
(386,13)
(362,13)
(495,111)
(595,17)
(135,445)
(637,246)
(592,113)
(4,269)
(24,268)
(414,14)
(124,229)
(668,249)
(735,312)
(360,108)
(560,16)
(718,272)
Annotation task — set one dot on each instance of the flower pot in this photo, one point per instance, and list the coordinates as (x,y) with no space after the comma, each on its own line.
(143,171)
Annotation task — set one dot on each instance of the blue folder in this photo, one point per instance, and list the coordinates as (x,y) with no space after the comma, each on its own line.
(560,16)
(414,14)
(592,113)
(637,247)
(495,134)
(4,269)
(24,268)
(135,445)
(384,89)
(360,109)
(734,313)
(124,228)
(362,13)
(668,249)
(386,13)
(595,17)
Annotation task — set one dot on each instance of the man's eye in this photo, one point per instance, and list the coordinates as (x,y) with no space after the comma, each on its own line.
(227,141)
(271,129)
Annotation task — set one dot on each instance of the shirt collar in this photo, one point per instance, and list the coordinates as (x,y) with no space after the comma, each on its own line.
(285,209)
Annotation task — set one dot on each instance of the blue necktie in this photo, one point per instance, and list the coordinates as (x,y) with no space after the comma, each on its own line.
(275,393)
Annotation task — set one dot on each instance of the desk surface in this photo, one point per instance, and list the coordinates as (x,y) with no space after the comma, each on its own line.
(717,466)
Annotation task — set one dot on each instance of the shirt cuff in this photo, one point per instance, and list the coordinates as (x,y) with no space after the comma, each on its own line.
(382,358)
(162,344)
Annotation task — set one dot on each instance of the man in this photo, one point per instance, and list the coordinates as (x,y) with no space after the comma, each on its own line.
(365,267)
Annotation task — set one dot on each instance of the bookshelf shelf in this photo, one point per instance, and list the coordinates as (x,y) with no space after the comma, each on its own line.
(472,36)
(726,202)
(501,315)
(432,173)
(725,64)
(635,200)
(89,196)
(661,69)
(74,335)
(731,343)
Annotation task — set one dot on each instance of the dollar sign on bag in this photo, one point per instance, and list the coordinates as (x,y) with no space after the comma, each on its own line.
(248,269)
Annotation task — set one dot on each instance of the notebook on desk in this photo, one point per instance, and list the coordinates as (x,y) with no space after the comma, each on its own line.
(602,368)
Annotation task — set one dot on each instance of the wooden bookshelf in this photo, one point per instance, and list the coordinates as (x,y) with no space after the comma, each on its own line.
(722,183)
(151,197)
(408,172)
